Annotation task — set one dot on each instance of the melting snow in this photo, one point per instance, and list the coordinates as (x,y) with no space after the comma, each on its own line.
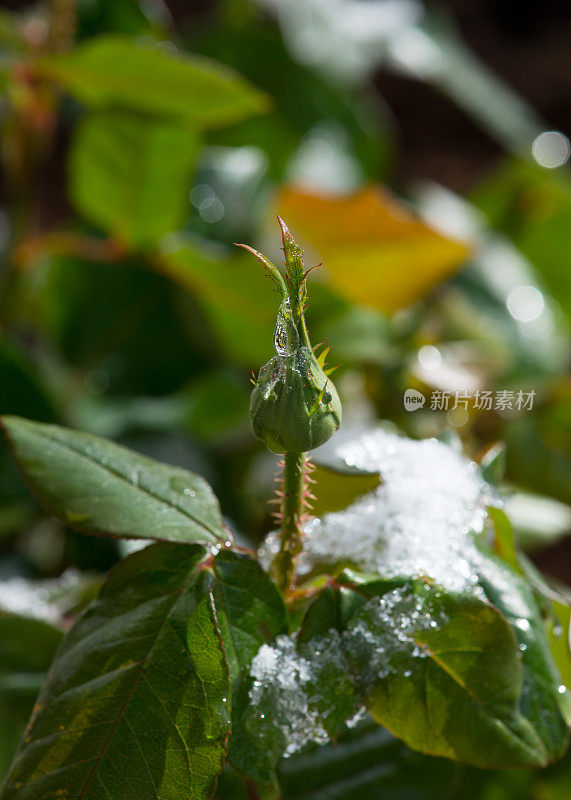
(292,689)
(279,695)
(417,523)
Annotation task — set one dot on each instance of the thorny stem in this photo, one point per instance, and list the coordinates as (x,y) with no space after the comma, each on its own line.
(282,569)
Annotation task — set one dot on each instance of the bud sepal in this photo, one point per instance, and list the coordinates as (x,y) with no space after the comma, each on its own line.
(294,407)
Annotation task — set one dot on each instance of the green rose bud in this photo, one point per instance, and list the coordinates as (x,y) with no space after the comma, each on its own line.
(294,405)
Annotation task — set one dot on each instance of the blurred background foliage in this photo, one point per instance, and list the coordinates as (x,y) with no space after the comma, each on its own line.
(417,149)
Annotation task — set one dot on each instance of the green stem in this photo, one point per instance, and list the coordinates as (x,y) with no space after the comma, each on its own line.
(283,565)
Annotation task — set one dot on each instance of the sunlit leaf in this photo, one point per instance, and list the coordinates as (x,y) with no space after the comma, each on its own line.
(251,612)
(99,487)
(335,491)
(112,70)
(374,250)
(130,175)
(459,695)
(136,703)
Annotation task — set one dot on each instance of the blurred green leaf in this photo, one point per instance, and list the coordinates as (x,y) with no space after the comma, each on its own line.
(21,392)
(538,521)
(27,647)
(217,405)
(112,71)
(532,205)
(121,16)
(21,389)
(538,447)
(235,295)
(98,487)
(130,175)
(120,320)
(305,100)
(367,762)
(336,490)
(493,463)
(112,720)
(504,542)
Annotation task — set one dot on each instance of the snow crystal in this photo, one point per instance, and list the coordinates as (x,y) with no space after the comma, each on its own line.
(293,687)
(381,640)
(279,695)
(418,522)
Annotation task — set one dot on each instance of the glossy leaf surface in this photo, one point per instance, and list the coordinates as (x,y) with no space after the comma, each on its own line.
(99,487)
(112,720)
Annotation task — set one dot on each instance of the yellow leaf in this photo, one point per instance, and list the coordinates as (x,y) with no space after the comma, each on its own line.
(374,250)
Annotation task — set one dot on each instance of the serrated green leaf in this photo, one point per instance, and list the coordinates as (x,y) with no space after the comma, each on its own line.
(544,700)
(251,612)
(250,609)
(400,536)
(475,694)
(99,487)
(130,175)
(115,71)
(136,704)
(460,701)
(443,671)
